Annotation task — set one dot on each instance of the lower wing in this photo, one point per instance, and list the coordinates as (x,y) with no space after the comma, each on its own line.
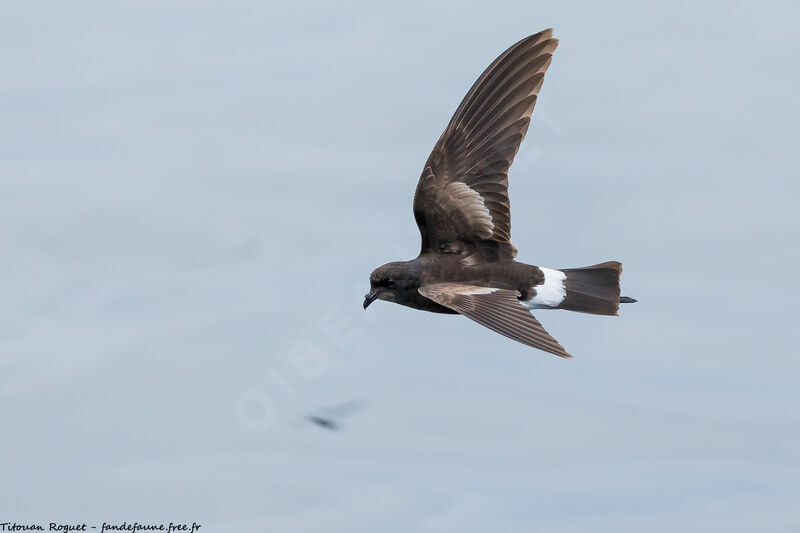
(497,309)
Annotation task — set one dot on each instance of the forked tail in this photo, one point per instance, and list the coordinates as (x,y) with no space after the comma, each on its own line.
(593,289)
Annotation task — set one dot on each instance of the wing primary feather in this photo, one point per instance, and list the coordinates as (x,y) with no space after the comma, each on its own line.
(496,309)
(476,150)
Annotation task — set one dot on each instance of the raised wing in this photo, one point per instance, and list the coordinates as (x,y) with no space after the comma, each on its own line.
(497,309)
(461,202)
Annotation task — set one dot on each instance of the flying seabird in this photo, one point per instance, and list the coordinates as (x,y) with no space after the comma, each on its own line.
(330,417)
(466,264)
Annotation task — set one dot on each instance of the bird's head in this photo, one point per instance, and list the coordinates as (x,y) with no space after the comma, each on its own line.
(391,281)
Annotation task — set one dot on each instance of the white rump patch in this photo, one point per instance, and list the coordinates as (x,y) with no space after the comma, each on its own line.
(550,293)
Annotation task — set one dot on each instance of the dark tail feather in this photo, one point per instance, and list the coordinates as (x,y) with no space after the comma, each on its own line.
(594,289)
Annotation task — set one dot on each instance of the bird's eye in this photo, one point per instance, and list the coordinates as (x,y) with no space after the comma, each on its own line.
(390,282)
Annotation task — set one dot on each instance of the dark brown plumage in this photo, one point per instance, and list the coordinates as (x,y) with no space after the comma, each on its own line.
(466,263)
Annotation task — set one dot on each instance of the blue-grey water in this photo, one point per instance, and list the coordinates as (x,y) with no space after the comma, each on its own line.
(192,195)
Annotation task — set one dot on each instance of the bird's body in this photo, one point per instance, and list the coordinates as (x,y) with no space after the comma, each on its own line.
(442,268)
(467,262)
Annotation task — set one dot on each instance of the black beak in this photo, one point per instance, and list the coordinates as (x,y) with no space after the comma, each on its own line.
(370,297)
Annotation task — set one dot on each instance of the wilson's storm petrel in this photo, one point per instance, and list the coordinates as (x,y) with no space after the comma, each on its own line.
(461,206)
